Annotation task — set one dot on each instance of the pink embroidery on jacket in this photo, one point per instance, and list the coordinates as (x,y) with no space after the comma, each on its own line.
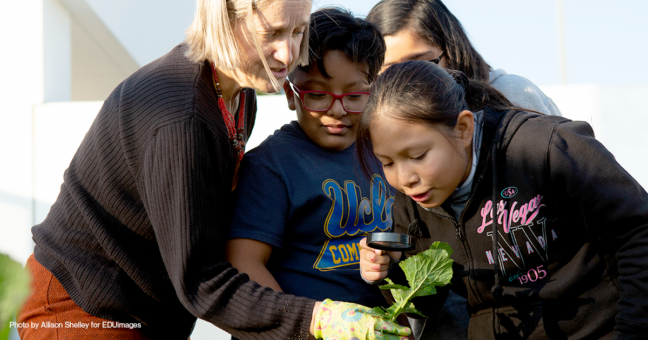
(516,215)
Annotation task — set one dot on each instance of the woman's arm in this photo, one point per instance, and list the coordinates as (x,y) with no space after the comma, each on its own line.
(185,184)
(251,257)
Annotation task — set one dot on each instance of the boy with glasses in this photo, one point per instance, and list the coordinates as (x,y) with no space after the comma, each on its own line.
(302,203)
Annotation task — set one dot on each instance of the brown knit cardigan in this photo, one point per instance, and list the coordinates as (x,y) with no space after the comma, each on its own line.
(137,231)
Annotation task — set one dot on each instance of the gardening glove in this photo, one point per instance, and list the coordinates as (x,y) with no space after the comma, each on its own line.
(337,320)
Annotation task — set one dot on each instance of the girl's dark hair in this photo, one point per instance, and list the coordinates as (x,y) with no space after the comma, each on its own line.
(432,21)
(422,92)
(335,28)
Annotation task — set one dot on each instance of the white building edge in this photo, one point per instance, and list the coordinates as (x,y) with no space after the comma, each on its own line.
(54,51)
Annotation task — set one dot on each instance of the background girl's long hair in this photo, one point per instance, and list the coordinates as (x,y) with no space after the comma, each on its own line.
(431,21)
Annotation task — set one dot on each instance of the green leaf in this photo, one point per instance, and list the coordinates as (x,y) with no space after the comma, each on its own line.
(424,271)
(392,311)
(14,289)
(425,291)
(399,294)
(376,311)
(407,308)
(442,245)
(410,309)
(394,286)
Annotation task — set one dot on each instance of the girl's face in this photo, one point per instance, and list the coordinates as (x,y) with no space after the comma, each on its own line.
(280,27)
(406,45)
(423,162)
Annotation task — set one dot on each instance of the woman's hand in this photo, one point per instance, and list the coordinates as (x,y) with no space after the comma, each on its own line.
(374,263)
(343,320)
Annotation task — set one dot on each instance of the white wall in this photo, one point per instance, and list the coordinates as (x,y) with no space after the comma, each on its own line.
(94,73)
(59,128)
(57,52)
(21,86)
(147,29)
(36,66)
(618,116)
(99,61)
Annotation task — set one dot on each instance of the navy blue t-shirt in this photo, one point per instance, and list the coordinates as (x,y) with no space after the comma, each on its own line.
(313,206)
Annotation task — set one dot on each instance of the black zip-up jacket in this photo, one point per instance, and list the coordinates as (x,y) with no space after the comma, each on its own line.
(572,235)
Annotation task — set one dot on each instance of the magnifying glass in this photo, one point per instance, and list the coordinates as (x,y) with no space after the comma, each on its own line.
(390,241)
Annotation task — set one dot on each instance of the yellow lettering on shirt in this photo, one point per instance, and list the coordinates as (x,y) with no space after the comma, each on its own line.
(344,253)
(335,260)
(352,251)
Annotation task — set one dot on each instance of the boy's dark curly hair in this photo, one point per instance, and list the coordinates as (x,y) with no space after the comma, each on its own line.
(335,28)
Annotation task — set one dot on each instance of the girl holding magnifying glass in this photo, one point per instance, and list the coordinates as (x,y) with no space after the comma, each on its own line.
(427,30)
(549,233)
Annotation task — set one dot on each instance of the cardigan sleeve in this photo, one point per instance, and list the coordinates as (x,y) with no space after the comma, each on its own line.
(186,191)
(613,206)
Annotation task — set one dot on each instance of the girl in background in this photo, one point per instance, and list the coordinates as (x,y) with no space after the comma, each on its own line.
(426,30)
(549,232)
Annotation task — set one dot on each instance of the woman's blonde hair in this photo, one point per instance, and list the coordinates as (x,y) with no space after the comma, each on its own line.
(211,35)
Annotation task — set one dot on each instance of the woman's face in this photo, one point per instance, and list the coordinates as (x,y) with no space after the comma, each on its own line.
(280,26)
(406,45)
(421,161)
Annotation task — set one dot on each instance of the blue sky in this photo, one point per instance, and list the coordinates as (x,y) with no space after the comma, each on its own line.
(605,41)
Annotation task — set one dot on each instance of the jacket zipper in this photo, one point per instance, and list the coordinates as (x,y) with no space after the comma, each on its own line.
(456,223)
(475,290)
(458,233)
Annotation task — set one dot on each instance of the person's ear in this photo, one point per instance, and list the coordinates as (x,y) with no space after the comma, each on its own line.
(290,96)
(465,127)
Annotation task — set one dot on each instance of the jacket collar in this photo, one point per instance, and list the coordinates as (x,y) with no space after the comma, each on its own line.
(492,128)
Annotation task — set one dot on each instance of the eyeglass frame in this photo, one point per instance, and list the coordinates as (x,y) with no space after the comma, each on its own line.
(339,97)
(437,59)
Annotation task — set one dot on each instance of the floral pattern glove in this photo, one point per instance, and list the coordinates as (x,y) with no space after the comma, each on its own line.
(337,320)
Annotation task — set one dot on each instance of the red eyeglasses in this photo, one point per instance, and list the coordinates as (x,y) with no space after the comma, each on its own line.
(320,101)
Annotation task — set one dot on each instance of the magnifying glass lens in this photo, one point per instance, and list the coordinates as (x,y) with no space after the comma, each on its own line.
(390,241)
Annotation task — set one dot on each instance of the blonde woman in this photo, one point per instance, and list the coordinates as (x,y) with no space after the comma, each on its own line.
(132,247)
